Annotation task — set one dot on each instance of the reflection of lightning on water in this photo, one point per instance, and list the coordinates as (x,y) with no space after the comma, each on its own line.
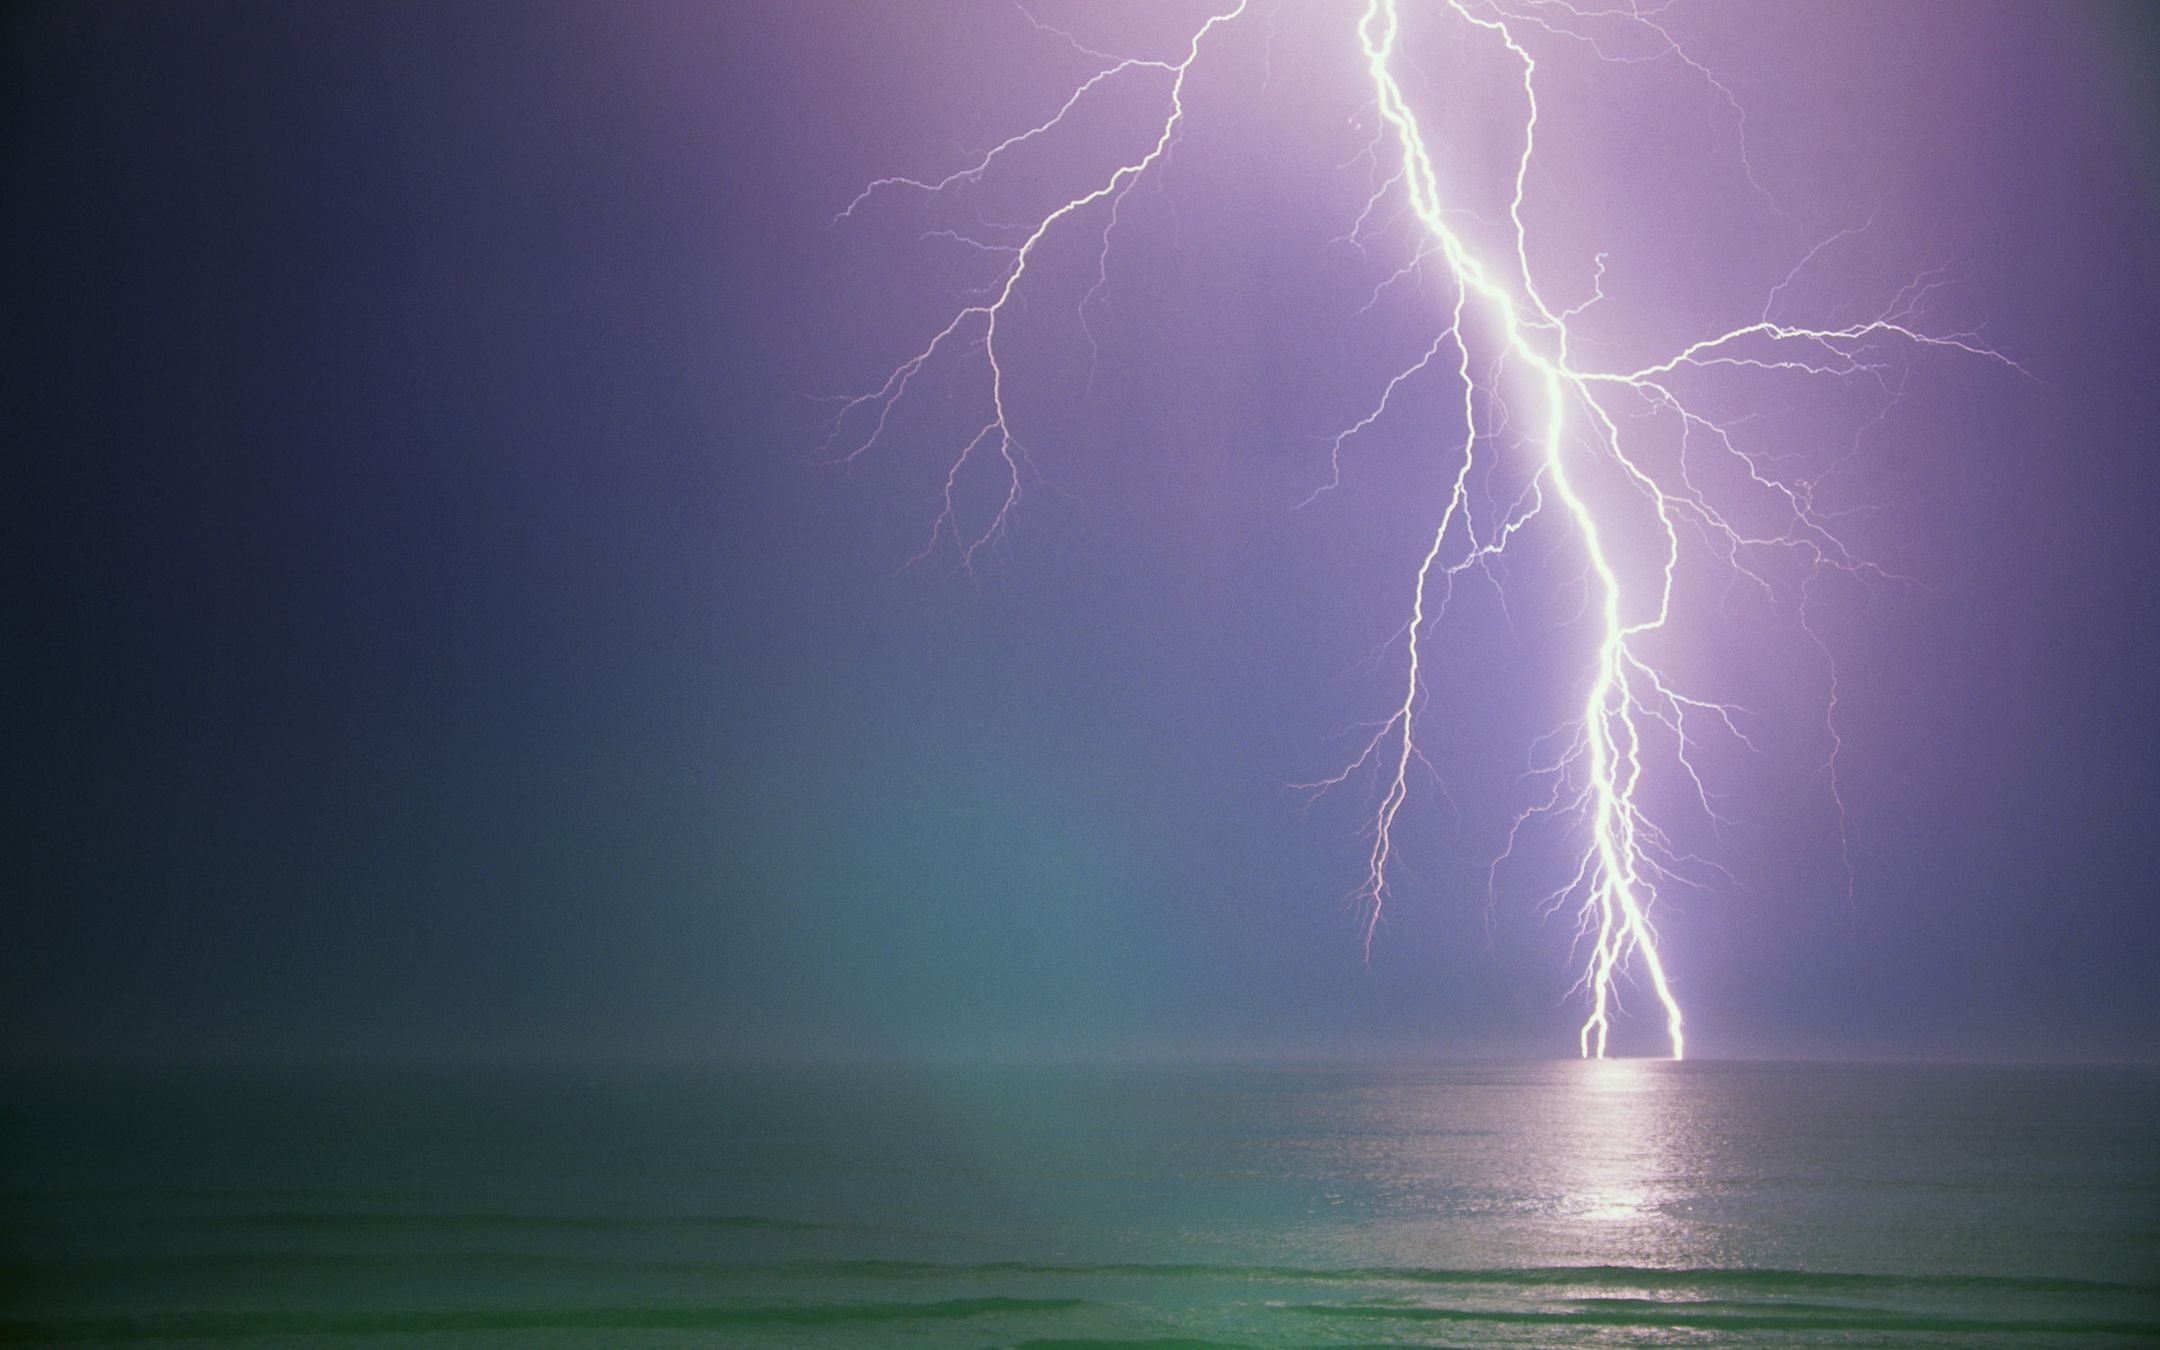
(1501,341)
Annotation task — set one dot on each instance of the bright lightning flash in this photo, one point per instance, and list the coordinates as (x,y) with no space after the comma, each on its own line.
(1579,422)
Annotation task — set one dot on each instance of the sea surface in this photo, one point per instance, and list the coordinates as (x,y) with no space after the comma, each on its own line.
(1531,1204)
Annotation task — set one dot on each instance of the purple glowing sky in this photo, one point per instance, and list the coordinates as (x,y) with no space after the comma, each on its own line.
(1691,193)
(447,607)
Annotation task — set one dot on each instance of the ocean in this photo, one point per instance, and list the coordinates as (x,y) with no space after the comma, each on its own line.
(1553,1204)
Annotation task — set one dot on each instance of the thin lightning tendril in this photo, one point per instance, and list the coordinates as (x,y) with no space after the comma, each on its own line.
(1593,767)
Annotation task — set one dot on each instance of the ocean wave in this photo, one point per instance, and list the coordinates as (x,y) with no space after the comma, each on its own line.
(540,1222)
(1749,1317)
(233,1325)
(1781,1284)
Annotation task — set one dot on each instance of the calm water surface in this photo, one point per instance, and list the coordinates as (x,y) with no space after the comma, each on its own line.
(1545,1204)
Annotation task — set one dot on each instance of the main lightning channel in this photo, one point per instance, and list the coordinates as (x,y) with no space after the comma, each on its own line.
(1618,889)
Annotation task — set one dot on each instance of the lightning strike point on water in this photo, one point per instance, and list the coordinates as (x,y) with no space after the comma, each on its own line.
(1591,470)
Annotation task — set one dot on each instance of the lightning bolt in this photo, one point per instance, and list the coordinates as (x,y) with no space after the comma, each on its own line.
(1510,352)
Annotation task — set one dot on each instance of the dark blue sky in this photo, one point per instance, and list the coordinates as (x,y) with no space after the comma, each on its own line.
(436,634)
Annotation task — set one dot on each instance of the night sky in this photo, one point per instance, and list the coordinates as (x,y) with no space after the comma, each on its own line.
(437,635)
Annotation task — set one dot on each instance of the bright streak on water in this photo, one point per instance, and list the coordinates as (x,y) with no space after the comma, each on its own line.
(1545,1204)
